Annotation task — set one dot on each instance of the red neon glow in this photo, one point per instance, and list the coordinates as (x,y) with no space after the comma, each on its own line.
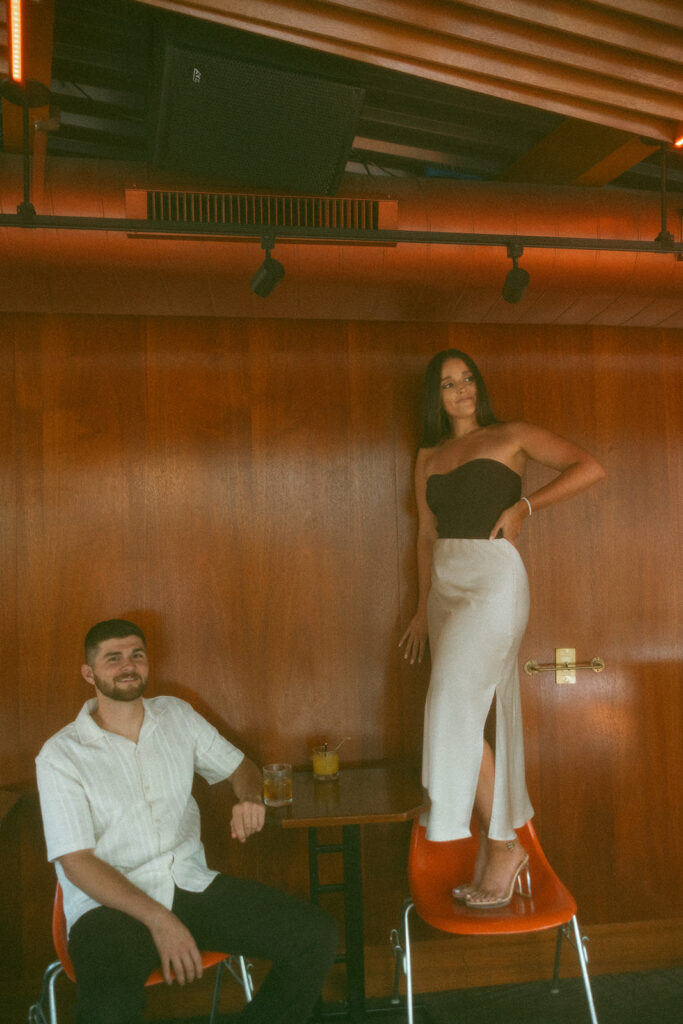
(678,142)
(15,62)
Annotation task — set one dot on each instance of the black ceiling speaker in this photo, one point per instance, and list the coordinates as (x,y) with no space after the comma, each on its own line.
(250,125)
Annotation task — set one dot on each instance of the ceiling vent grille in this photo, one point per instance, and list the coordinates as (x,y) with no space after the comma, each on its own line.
(260,211)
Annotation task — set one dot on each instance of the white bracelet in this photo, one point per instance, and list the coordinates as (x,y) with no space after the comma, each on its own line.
(528,503)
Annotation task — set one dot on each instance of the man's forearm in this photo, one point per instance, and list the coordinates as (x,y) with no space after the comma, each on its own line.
(247,782)
(109,887)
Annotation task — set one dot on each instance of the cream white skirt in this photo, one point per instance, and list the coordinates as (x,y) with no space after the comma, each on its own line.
(478,611)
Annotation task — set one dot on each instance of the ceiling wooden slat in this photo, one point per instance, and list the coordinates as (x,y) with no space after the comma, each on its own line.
(592,62)
(556,31)
(628,25)
(667,12)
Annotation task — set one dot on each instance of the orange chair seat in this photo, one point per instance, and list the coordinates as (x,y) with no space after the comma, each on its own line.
(59,935)
(435,868)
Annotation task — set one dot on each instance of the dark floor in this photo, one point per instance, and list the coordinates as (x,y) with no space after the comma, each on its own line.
(619,999)
(653,997)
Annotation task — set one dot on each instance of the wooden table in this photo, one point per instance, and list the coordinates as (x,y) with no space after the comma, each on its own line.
(364,795)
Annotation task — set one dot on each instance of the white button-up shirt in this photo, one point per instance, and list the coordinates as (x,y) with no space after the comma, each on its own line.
(131,802)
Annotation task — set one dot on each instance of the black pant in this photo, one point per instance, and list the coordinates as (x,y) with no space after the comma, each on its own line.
(113,954)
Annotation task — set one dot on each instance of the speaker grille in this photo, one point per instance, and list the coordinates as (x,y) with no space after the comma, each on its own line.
(259,210)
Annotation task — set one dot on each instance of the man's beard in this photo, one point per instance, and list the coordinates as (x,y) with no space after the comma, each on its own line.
(126,693)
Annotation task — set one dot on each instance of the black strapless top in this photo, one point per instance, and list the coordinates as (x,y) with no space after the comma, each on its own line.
(468,500)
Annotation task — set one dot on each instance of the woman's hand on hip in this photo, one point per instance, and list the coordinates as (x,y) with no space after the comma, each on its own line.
(510,522)
(415,639)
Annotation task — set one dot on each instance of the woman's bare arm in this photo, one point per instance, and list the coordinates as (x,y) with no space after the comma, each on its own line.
(415,636)
(577,470)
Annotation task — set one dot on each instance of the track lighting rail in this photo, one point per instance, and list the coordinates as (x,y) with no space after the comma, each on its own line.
(155,229)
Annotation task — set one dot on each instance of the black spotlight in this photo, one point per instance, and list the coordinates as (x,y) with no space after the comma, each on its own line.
(269,273)
(517,278)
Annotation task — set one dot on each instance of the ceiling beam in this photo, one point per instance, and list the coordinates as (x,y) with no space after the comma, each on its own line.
(579,153)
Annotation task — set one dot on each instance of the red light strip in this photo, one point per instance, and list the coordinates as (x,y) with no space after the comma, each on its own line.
(15,26)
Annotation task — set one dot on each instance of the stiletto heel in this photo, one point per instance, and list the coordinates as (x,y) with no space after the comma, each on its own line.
(479,901)
(524,887)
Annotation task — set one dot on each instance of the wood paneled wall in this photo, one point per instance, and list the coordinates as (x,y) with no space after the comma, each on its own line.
(243,490)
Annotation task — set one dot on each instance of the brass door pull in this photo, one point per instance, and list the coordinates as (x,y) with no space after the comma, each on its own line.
(564,666)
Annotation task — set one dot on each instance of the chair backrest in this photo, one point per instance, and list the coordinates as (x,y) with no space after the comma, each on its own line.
(435,868)
(61,943)
(59,936)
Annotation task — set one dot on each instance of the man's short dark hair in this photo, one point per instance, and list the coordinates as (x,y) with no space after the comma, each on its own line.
(110,629)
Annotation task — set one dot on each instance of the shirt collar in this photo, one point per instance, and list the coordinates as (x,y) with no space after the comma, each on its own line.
(90,732)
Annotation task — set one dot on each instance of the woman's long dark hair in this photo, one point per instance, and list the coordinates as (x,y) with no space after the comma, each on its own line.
(436,425)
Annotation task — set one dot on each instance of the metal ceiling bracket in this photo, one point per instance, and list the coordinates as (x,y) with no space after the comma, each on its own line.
(26,95)
(664,237)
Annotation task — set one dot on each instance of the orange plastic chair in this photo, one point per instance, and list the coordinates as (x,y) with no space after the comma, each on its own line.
(37,1012)
(435,868)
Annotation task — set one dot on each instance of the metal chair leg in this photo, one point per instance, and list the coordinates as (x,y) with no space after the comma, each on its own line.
(247,983)
(555,987)
(408,960)
(243,979)
(400,941)
(36,1013)
(397,940)
(217,991)
(579,944)
(397,950)
(583,961)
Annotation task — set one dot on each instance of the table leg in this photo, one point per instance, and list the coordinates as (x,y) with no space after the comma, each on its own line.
(353,918)
(351,888)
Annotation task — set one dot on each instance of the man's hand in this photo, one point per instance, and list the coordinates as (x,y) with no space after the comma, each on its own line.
(248,814)
(180,958)
(248,817)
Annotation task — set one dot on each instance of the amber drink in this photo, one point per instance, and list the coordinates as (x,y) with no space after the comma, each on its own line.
(325,764)
(277,785)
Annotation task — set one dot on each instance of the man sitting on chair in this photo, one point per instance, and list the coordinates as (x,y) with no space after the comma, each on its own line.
(122,827)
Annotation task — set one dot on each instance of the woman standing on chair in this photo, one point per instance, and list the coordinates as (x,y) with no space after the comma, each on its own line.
(473,603)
